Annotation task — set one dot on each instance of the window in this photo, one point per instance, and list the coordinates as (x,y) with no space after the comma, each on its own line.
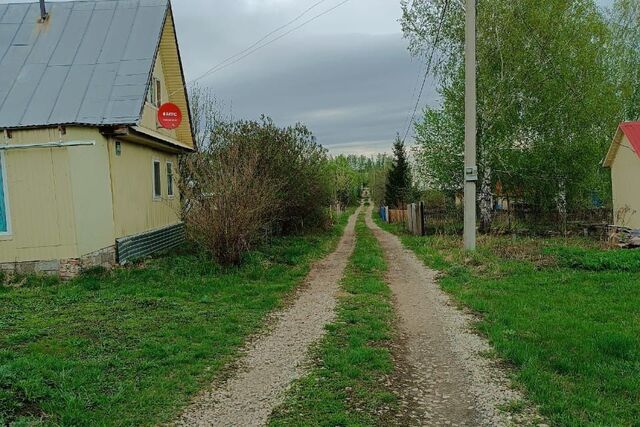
(5,223)
(158,93)
(154,95)
(157,186)
(170,179)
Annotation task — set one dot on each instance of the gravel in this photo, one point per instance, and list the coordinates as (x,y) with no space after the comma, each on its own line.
(442,377)
(273,360)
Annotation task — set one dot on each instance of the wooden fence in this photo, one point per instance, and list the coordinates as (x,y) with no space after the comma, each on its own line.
(412,217)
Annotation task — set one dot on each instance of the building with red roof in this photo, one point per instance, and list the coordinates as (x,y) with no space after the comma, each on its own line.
(624,160)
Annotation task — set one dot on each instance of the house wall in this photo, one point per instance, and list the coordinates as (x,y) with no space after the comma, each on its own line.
(59,198)
(625,174)
(135,210)
(150,112)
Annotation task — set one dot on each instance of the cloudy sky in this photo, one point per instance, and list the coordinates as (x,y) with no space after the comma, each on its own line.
(347,75)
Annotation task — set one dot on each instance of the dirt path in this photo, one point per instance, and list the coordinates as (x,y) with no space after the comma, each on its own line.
(441,377)
(274,360)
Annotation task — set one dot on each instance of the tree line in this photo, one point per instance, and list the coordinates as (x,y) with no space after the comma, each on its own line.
(555,78)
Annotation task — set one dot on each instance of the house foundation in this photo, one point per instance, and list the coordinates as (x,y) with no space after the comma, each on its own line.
(67,269)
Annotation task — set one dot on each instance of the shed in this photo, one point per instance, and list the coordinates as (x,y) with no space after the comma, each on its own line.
(624,160)
(88,175)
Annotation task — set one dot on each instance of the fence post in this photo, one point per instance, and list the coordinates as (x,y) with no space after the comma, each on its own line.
(421,216)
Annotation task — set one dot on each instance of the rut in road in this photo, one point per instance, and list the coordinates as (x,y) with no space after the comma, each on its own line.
(441,376)
(272,361)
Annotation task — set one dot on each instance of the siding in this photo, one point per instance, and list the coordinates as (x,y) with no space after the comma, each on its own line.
(150,112)
(134,209)
(42,202)
(625,174)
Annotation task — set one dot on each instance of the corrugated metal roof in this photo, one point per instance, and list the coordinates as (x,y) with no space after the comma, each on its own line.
(632,131)
(89,63)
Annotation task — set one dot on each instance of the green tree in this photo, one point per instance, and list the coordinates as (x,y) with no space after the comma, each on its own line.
(398,186)
(547,100)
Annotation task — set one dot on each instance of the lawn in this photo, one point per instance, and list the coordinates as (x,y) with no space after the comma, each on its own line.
(564,312)
(132,347)
(345,385)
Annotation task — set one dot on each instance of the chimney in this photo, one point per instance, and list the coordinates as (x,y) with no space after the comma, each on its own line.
(43,11)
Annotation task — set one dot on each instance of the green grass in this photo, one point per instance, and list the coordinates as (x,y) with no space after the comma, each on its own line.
(132,347)
(344,387)
(565,313)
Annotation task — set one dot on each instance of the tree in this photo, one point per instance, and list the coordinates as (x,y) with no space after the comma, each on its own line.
(547,101)
(398,186)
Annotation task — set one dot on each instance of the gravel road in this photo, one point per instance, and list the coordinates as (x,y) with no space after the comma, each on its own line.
(441,377)
(272,361)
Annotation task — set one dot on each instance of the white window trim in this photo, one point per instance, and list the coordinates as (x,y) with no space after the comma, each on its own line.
(7,208)
(173,179)
(152,93)
(153,179)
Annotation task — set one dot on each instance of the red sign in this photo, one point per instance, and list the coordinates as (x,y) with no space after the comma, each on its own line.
(169,116)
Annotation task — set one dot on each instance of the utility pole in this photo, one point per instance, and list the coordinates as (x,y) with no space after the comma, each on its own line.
(470,99)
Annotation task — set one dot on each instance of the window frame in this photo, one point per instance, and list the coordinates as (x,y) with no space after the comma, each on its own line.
(5,188)
(170,179)
(154,94)
(156,195)
(158,89)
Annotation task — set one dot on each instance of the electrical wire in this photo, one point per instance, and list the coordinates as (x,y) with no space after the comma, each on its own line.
(428,70)
(265,37)
(258,45)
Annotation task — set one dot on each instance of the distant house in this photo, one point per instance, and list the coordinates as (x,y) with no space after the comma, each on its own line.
(88,165)
(624,160)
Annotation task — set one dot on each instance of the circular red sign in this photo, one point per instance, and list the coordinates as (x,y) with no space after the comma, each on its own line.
(169,116)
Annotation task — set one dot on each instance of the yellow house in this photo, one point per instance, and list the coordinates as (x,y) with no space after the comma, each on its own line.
(624,160)
(87,173)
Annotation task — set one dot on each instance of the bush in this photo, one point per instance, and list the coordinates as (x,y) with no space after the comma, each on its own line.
(251,181)
(228,203)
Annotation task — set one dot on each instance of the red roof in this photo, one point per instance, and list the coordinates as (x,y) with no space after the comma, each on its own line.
(632,131)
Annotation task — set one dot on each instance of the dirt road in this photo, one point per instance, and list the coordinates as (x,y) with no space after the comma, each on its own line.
(274,360)
(441,377)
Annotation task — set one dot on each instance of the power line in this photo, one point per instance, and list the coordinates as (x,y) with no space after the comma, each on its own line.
(258,45)
(297,18)
(428,70)
(280,37)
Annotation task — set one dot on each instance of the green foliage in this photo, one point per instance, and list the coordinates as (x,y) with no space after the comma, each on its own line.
(347,182)
(345,387)
(573,335)
(134,346)
(625,63)
(398,186)
(549,99)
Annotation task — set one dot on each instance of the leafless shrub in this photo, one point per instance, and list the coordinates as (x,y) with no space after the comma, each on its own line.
(230,200)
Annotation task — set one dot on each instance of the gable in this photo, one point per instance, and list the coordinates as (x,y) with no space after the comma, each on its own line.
(168,68)
(87,64)
(629,131)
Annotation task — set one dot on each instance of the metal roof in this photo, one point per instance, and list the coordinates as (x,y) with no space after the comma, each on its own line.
(89,63)
(632,132)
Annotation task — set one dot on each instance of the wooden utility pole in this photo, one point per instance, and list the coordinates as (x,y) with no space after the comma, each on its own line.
(470,167)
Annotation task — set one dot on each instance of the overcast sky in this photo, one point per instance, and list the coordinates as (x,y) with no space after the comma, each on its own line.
(347,75)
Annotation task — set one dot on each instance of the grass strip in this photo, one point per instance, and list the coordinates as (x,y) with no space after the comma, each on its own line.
(345,387)
(563,311)
(132,347)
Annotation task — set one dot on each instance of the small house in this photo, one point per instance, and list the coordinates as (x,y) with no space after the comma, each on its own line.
(93,116)
(623,159)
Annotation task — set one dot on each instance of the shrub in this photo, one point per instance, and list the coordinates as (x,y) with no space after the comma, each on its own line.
(229,200)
